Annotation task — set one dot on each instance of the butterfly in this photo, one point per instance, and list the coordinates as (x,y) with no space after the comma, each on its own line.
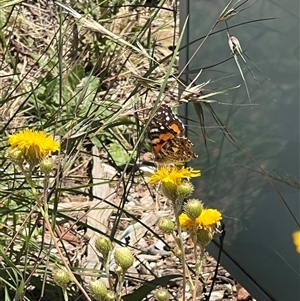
(166,134)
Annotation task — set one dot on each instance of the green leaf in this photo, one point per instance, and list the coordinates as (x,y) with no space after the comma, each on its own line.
(84,99)
(20,290)
(149,286)
(119,154)
(75,76)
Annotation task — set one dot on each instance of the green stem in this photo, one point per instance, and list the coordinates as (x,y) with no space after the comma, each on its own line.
(106,266)
(121,280)
(66,298)
(181,247)
(198,263)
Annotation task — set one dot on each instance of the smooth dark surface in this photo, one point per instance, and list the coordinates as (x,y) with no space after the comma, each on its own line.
(254,181)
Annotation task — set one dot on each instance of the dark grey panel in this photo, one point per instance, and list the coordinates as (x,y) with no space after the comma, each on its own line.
(260,211)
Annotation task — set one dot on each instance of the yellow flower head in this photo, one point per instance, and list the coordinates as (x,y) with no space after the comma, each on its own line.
(174,175)
(296,239)
(208,219)
(33,145)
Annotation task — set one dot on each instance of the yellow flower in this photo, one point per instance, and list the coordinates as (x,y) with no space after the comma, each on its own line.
(34,145)
(174,175)
(186,222)
(208,219)
(296,239)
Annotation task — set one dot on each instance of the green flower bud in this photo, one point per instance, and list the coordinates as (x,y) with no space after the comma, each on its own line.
(98,290)
(103,245)
(166,225)
(184,190)
(203,237)
(15,156)
(193,208)
(169,190)
(162,295)
(124,258)
(46,166)
(61,278)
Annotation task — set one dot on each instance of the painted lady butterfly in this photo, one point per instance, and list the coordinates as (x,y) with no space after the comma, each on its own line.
(166,134)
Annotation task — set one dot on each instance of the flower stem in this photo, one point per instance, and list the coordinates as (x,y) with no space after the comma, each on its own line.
(66,298)
(120,286)
(198,262)
(107,270)
(180,245)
